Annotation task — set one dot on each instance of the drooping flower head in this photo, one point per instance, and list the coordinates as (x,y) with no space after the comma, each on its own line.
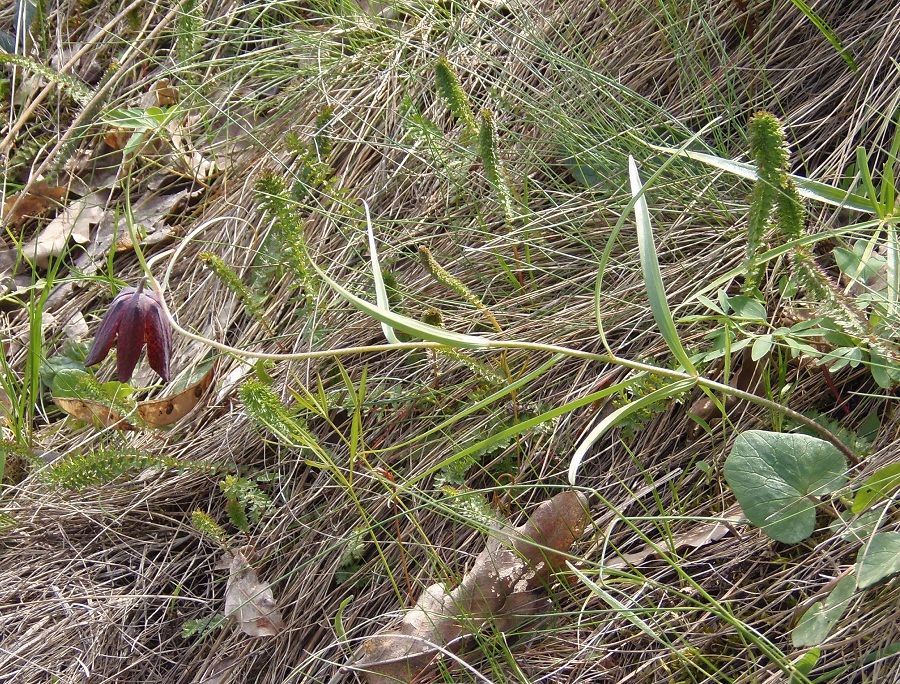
(134,318)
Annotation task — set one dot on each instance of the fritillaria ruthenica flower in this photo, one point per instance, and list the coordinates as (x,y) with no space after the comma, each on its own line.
(134,318)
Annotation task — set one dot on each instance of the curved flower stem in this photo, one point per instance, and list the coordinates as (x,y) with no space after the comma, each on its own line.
(488,343)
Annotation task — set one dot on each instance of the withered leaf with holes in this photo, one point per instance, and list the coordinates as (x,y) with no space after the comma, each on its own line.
(134,318)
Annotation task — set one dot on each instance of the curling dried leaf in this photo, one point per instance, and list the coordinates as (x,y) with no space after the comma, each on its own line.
(501,588)
(249,601)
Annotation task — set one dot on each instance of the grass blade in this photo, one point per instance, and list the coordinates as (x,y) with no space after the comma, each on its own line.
(810,189)
(400,322)
(619,414)
(652,276)
(381,297)
(826,31)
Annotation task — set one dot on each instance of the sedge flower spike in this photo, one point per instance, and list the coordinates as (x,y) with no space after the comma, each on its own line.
(134,318)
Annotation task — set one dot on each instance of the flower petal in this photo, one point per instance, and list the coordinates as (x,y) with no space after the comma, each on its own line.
(131,336)
(109,327)
(158,336)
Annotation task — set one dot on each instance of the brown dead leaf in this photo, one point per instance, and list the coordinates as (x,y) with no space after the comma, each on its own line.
(38,201)
(249,601)
(153,413)
(220,671)
(503,587)
(161,94)
(93,411)
(117,138)
(151,213)
(168,410)
(701,535)
(72,224)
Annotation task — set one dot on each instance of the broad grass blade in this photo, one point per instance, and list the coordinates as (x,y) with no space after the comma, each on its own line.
(620,414)
(652,277)
(810,189)
(381,297)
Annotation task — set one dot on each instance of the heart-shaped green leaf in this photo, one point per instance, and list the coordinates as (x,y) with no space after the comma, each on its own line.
(775,475)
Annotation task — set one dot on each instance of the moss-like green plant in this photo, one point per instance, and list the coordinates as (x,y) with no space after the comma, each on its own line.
(204,524)
(245,501)
(322,137)
(450,90)
(189,35)
(264,406)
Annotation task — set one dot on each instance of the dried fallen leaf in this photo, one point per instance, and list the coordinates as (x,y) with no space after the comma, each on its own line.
(164,93)
(73,223)
(249,601)
(220,671)
(503,587)
(39,200)
(171,409)
(153,413)
(701,535)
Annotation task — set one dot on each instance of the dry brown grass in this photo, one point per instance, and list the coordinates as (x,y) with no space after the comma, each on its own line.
(95,585)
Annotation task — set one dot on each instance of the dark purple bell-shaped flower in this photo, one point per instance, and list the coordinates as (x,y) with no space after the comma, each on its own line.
(135,317)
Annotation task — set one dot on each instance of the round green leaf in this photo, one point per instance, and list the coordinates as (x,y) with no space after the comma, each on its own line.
(878,559)
(816,623)
(773,475)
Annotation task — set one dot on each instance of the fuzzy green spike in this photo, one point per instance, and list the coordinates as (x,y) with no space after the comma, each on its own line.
(99,467)
(450,89)
(272,195)
(68,83)
(232,281)
(433,317)
(489,149)
(774,197)
(444,278)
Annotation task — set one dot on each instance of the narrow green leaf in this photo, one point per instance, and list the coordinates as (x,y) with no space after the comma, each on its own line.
(400,322)
(339,629)
(619,414)
(805,665)
(817,622)
(381,296)
(862,165)
(878,560)
(826,31)
(656,292)
(807,188)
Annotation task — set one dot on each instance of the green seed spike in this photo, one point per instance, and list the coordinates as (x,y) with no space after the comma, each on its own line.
(433,317)
(444,278)
(450,89)
(774,197)
(488,148)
